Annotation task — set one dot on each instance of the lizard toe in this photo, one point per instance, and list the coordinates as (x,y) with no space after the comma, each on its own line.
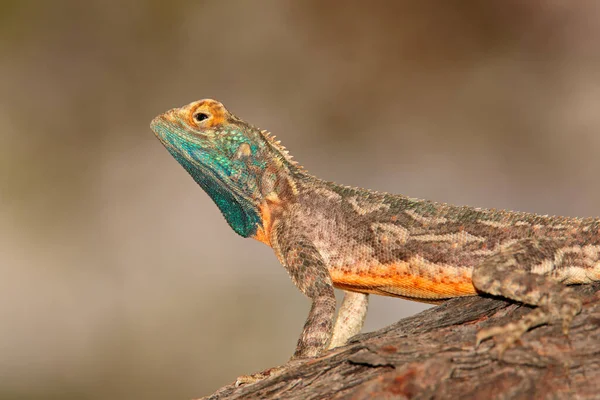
(259,376)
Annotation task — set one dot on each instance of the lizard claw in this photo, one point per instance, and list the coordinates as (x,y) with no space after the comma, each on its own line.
(487,333)
(504,336)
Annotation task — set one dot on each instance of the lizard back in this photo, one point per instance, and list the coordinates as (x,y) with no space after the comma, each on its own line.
(399,246)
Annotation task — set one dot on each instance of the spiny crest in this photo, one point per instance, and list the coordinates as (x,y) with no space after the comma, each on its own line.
(280,148)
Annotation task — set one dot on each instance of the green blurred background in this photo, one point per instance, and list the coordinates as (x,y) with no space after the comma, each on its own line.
(119,278)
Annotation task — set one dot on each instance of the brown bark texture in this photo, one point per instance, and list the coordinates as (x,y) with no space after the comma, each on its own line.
(432,355)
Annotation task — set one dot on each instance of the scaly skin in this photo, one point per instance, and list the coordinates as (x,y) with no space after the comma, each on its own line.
(327,235)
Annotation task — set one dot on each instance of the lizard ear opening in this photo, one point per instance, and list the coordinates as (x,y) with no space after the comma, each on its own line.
(243,151)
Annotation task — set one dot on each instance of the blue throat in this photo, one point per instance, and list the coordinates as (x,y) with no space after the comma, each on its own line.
(240,214)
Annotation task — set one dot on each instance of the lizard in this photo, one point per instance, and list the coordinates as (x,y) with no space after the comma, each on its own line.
(365,242)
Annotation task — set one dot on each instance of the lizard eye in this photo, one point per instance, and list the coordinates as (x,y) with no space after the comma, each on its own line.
(199,117)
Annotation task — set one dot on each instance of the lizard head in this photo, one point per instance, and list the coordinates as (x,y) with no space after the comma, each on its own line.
(238,165)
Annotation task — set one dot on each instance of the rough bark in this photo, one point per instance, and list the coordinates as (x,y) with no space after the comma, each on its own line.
(431,355)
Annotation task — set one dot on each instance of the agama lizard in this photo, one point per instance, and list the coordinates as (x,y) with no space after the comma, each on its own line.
(361,241)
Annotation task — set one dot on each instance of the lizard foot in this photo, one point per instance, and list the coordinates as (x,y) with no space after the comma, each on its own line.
(259,376)
(505,336)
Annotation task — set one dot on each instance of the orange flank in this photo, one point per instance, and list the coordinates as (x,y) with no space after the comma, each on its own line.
(395,280)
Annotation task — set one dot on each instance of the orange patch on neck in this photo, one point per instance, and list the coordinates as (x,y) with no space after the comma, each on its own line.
(263,233)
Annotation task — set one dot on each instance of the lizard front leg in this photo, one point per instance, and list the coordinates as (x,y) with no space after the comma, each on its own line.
(510,274)
(308,271)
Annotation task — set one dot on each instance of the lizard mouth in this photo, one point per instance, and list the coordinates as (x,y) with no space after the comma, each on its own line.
(160,127)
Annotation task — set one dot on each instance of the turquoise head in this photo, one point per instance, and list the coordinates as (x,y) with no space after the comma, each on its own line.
(233,161)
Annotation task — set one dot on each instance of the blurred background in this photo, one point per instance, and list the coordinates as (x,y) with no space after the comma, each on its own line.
(119,277)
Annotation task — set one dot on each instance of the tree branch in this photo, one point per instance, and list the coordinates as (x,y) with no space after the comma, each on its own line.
(432,355)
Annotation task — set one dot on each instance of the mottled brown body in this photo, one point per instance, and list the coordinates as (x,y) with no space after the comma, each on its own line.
(327,235)
(397,246)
